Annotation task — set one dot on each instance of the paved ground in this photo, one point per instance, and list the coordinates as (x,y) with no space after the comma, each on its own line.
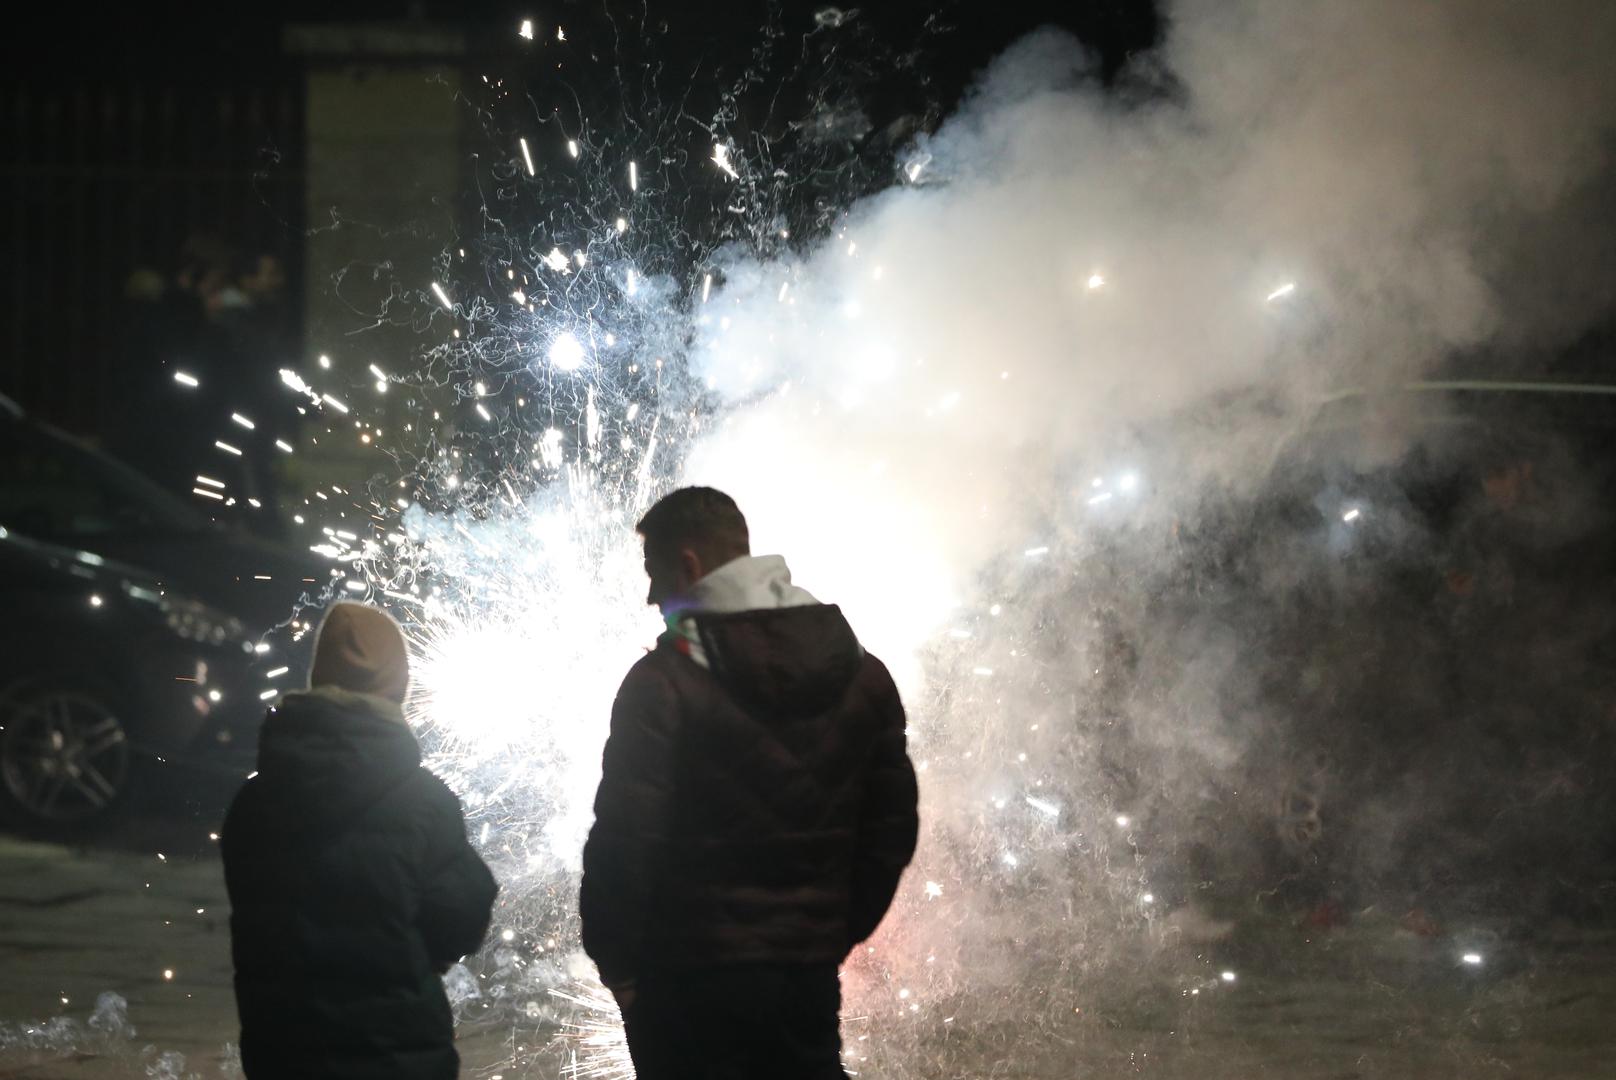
(1366,1000)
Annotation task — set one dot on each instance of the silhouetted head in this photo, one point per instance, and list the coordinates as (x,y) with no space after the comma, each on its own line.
(688,534)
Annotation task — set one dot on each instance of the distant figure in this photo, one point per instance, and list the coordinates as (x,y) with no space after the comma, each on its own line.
(756,810)
(352,885)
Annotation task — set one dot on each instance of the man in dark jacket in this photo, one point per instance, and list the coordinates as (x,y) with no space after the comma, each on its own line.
(756,810)
(352,885)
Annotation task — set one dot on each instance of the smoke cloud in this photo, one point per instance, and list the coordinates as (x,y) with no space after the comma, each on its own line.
(953,417)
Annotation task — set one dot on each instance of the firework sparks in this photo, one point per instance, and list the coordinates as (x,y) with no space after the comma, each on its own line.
(596,1046)
(511,555)
(566,352)
(721,159)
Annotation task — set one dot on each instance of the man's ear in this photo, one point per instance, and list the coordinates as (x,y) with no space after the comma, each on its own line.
(690,565)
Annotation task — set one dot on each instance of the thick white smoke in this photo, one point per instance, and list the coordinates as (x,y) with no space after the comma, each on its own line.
(1308,197)
(950,416)
(1300,198)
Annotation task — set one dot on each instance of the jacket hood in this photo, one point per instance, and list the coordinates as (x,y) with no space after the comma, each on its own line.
(786,662)
(772,646)
(749,583)
(328,753)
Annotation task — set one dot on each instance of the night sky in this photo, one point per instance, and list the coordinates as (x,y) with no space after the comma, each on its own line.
(211,46)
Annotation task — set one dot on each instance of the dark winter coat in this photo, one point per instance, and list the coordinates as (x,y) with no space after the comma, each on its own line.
(352,887)
(760,812)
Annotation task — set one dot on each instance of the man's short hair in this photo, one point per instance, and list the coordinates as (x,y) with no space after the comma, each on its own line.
(703,519)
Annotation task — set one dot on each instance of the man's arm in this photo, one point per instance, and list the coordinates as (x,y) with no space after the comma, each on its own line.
(889,817)
(624,855)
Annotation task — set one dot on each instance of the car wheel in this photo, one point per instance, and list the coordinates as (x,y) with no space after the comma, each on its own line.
(64,754)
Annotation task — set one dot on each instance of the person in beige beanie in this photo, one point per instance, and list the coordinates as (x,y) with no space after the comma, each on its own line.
(361,649)
(352,884)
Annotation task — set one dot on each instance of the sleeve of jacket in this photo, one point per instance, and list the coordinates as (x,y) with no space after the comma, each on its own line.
(889,814)
(457,888)
(235,841)
(626,850)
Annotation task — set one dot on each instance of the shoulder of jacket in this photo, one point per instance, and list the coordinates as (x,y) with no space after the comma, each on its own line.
(241,810)
(428,793)
(878,684)
(655,672)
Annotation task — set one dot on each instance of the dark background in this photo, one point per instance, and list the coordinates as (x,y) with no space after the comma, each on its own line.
(142,143)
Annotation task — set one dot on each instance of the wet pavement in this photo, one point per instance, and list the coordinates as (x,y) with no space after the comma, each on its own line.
(145,918)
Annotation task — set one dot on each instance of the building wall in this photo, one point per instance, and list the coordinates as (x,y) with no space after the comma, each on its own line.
(103,185)
(383,142)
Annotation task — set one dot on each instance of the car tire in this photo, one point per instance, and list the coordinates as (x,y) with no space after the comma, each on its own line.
(66,760)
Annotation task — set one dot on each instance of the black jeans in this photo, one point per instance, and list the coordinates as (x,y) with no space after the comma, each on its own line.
(759,1022)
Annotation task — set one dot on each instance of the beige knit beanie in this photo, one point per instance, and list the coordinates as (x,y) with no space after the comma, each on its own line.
(361,649)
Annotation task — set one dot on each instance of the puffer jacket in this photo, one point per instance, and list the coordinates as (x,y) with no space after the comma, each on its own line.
(756,807)
(352,887)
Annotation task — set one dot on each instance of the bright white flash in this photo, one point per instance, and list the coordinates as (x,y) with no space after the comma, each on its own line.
(566,352)
(721,159)
(527,156)
(1043,806)
(443,297)
(1096,280)
(526,29)
(1284,290)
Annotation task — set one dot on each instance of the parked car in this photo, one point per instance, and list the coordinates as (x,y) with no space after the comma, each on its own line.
(135,631)
(1368,656)
(56,489)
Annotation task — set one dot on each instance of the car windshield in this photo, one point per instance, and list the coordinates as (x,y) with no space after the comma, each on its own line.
(53,488)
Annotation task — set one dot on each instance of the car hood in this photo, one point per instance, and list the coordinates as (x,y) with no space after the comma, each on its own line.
(256,582)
